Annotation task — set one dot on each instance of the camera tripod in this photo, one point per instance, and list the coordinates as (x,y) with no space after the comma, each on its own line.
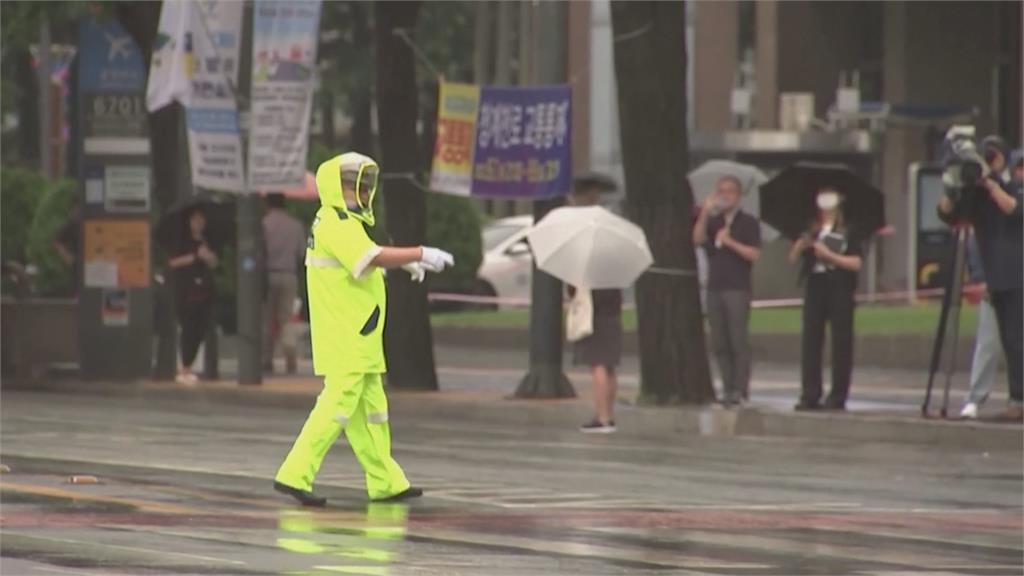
(952,296)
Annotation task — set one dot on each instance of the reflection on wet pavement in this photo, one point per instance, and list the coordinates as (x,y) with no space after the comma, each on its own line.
(186,489)
(137,525)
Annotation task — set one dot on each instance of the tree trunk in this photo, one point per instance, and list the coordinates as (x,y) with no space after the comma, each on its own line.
(407,335)
(650,70)
(362,101)
(170,175)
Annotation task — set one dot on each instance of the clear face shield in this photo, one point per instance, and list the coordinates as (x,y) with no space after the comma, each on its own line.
(362,184)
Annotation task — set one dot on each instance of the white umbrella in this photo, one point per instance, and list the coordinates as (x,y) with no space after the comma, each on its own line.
(590,247)
(704,179)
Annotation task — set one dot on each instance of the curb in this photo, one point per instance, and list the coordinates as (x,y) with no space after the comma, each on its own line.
(645,422)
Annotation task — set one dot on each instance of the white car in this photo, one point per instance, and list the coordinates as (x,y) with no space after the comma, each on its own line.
(507,267)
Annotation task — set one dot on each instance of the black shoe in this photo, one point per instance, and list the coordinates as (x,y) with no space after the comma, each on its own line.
(595,426)
(407,494)
(732,400)
(834,405)
(805,406)
(305,498)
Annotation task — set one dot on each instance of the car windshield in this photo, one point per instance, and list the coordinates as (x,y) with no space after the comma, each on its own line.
(498,233)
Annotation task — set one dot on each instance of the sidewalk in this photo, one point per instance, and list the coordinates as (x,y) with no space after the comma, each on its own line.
(475,389)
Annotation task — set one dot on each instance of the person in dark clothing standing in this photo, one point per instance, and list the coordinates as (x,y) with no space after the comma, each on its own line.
(194,290)
(995,210)
(732,239)
(830,257)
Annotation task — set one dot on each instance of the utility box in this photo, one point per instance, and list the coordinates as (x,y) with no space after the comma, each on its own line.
(115,304)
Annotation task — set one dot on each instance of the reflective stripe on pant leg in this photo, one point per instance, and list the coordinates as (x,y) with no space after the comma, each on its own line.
(377,417)
(322,427)
(371,442)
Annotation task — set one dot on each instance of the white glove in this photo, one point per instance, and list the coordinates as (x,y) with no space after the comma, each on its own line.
(416,270)
(435,259)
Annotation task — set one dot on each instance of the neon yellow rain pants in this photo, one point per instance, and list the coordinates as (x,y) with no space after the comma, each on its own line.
(356,404)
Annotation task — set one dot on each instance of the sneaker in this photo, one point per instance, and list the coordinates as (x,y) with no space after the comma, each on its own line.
(969,411)
(407,494)
(186,379)
(595,426)
(305,497)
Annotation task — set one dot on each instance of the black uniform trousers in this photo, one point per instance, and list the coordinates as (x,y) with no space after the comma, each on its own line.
(828,299)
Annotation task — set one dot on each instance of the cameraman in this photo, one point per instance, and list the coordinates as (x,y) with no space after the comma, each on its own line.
(994,209)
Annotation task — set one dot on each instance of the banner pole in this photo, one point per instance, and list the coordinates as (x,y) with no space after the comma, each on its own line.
(249,260)
(546,379)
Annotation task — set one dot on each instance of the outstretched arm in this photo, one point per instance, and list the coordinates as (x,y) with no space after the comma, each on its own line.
(393,257)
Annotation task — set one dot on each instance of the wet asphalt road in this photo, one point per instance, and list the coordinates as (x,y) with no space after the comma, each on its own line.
(184,488)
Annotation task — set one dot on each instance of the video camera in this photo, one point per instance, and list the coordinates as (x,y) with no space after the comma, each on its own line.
(963,166)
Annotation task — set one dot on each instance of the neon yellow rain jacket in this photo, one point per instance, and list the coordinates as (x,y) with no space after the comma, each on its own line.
(347,297)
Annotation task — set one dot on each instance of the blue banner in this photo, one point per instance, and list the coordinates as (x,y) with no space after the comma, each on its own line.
(523,145)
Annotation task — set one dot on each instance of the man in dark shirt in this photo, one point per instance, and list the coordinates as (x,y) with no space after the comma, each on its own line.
(732,239)
(996,213)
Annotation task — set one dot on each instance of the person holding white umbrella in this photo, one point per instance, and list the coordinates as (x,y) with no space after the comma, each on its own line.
(601,351)
(597,254)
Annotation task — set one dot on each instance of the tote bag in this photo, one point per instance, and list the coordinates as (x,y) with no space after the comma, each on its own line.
(579,322)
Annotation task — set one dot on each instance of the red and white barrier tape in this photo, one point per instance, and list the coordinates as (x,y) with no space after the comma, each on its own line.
(879,298)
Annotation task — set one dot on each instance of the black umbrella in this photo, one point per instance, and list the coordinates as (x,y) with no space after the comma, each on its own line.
(788,199)
(220,221)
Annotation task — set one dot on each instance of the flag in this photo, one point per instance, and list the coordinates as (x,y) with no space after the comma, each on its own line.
(170,70)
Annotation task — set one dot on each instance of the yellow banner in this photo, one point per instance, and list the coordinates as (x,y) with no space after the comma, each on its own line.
(452,167)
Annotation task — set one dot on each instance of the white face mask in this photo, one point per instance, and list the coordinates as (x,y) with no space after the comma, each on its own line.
(828,201)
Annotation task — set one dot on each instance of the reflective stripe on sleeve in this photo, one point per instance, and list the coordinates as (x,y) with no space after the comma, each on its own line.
(322,262)
(365,261)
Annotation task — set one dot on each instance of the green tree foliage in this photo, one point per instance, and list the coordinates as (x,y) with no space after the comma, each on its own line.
(454,223)
(54,277)
(20,192)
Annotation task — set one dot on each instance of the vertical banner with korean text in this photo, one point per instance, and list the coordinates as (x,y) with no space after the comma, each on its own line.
(214,139)
(285,37)
(452,167)
(509,142)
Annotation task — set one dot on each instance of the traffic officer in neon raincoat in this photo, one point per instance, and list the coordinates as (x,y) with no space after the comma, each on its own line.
(347,307)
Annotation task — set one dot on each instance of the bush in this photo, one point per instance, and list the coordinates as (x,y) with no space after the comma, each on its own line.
(453,224)
(54,277)
(21,191)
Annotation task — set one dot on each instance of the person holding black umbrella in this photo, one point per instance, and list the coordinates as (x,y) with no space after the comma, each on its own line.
(193,265)
(828,211)
(830,258)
